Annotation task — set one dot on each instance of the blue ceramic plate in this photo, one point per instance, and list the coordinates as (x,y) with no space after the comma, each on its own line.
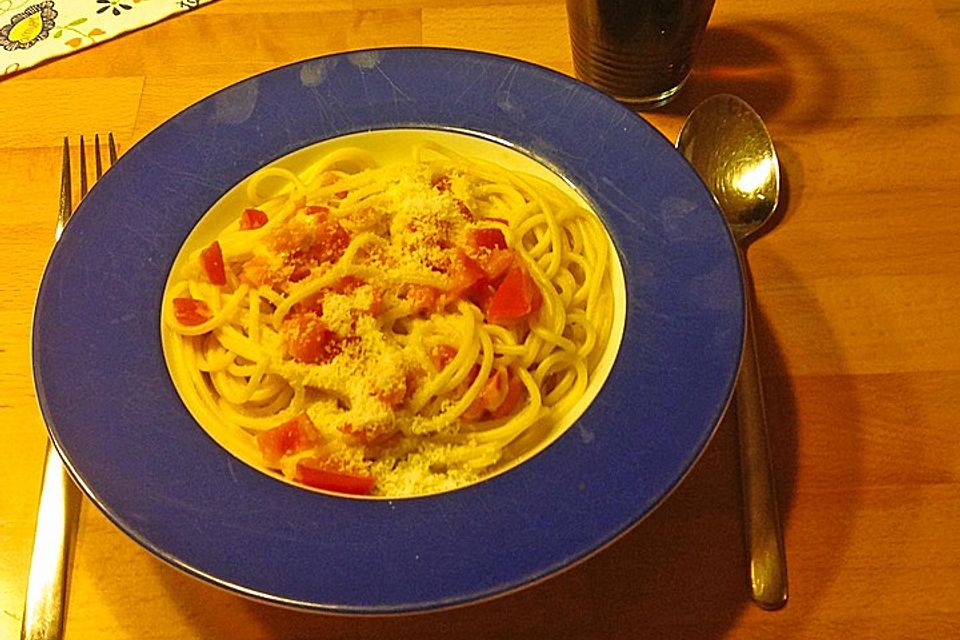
(131,444)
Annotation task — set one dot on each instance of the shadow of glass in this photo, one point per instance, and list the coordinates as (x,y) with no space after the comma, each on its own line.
(820,72)
(737,61)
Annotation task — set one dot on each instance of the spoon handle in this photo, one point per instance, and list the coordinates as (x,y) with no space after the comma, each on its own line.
(768,569)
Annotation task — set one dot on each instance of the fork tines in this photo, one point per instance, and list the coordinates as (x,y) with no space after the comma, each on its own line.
(98,158)
(67,204)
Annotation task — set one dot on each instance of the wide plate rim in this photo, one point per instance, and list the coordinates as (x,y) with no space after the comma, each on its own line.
(461,594)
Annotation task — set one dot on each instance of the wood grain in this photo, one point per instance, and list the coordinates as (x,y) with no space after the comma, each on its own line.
(858,324)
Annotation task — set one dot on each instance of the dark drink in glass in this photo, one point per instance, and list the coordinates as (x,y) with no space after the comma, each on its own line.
(638,51)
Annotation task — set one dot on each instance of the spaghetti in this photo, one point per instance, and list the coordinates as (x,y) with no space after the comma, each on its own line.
(392,330)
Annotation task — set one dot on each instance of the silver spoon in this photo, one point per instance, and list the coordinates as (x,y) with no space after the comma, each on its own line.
(729,146)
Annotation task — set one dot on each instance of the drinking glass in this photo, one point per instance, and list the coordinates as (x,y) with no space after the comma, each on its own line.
(638,51)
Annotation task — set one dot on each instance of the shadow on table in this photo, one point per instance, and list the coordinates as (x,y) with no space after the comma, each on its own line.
(737,61)
(817,74)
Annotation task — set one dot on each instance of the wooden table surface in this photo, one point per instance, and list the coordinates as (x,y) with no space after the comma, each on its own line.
(858,327)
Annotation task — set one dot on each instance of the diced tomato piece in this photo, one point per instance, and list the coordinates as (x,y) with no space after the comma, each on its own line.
(365,218)
(212,260)
(322,474)
(515,390)
(309,340)
(464,385)
(393,392)
(327,178)
(312,304)
(331,241)
(258,272)
(252,219)
(516,298)
(492,395)
(340,195)
(473,412)
(423,298)
(300,271)
(495,391)
(292,237)
(482,296)
(190,311)
(316,210)
(441,355)
(348,284)
(293,436)
(478,280)
(370,436)
(496,263)
(467,275)
(465,210)
(488,238)
(376,302)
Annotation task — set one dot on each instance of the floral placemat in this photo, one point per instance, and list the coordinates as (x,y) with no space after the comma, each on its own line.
(32,31)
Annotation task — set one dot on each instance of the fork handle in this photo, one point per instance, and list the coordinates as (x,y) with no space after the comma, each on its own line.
(52,546)
(768,570)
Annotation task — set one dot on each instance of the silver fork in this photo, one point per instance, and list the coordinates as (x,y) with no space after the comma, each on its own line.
(59,510)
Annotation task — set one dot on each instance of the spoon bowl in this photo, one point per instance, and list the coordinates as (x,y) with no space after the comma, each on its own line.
(729,146)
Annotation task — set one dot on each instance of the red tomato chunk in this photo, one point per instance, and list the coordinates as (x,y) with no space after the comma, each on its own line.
(331,241)
(466,276)
(515,392)
(424,298)
(190,311)
(496,263)
(322,474)
(516,298)
(293,436)
(309,340)
(488,238)
(441,355)
(252,219)
(212,260)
